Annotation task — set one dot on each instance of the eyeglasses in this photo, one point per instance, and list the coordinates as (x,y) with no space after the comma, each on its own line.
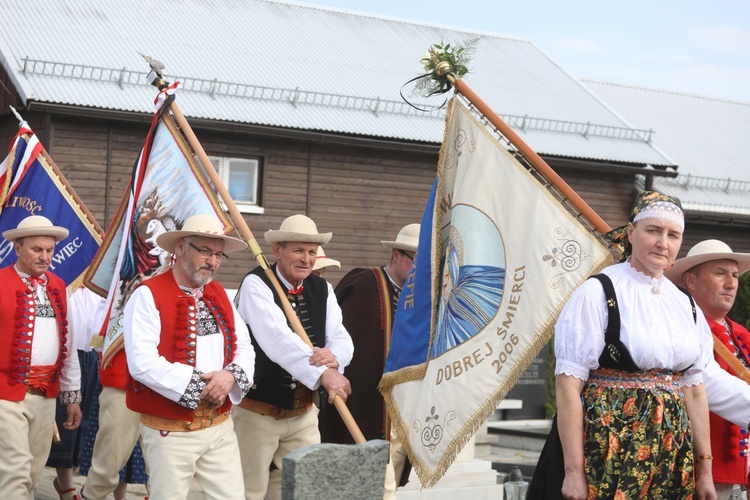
(207,254)
(411,257)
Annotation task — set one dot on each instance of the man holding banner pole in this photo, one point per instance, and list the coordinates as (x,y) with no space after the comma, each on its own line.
(278,415)
(190,356)
(368,298)
(37,358)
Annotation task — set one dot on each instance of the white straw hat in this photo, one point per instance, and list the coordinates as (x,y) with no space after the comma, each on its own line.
(205,225)
(36,225)
(322,261)
(298,228)
(702,252)
(407,239)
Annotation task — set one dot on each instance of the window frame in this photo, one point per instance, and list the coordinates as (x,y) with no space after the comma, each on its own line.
(222,166)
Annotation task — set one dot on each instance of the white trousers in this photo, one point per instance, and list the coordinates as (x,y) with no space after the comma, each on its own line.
(395,468)
(119,430)
(265,440)
(25,444)
(210,455)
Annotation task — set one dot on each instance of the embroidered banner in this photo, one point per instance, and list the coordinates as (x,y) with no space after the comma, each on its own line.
(487,284)
(168,186)
(31,184)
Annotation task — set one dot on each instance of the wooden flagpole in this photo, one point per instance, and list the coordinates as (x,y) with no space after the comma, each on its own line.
(244,231)
(737,368)
(444,69)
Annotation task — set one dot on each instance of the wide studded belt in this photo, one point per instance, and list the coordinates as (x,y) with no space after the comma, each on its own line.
(204,418)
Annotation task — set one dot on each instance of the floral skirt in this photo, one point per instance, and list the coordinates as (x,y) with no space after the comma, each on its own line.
(637,437)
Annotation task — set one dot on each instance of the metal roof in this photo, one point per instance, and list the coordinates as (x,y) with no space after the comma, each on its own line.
(707,137)
(297,66)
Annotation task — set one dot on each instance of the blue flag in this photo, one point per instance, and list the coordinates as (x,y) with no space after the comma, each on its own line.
(411,331)
(33,185)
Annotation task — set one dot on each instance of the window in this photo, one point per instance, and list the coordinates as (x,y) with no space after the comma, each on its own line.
(241,178)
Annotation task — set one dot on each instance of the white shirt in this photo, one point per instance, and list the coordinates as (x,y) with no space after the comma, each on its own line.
(657,326)
(45,349)
(85,317)
(279,342)
(142,334)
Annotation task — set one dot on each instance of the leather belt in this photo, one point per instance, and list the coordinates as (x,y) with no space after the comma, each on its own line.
(36,391)
(204,418)
(274,411)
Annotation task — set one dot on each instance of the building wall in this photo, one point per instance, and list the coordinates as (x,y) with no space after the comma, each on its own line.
(361,194)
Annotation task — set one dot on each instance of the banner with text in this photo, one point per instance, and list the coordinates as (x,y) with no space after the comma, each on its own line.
(485,289)
(31,184)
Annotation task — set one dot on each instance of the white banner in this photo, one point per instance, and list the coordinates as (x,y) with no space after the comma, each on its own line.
(504,257)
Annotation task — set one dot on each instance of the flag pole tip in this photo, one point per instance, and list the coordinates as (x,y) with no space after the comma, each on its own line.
(155,76)
(21,122)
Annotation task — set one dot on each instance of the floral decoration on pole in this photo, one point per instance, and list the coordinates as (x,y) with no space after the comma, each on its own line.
(442,60)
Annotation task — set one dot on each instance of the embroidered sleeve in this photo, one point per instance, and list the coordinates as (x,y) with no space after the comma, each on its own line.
(192,396)
(69,397)
(239,376)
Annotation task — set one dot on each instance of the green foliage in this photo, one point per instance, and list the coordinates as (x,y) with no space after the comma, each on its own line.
(550,407)
(457,56)
(741,310)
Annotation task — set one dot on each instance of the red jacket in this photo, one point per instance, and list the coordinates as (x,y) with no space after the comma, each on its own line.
(728,466)
(17,320)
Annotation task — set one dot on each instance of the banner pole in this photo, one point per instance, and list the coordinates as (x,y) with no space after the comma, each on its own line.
(443,69)
(244,231)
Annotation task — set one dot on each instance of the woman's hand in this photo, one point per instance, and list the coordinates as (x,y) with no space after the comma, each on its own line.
(704,481)
(575,486)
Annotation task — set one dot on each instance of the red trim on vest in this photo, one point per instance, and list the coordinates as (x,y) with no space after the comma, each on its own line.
(15,349)
(728,466)
(178,343)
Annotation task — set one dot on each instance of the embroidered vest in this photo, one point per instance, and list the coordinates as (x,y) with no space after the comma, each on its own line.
(17,320)
(728,466)
(273,384)
(178,339)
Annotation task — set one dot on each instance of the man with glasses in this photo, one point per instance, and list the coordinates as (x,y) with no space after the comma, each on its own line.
(190,356)
(368,299)
(278,415)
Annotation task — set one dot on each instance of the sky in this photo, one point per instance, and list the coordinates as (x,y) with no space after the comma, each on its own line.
(685,46)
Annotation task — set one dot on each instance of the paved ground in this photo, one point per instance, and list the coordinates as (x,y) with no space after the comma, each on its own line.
(45,490)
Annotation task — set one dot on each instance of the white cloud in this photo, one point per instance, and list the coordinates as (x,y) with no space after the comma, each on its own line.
(581,45)
(725,39)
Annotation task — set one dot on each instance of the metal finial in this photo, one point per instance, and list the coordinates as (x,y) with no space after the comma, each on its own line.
(21,122)
(154,76)
(156,66)
(443,68)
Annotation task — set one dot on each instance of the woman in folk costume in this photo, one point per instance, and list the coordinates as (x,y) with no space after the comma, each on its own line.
(632,410)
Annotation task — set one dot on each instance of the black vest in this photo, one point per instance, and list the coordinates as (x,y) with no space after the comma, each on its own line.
(273,384)
(615,355)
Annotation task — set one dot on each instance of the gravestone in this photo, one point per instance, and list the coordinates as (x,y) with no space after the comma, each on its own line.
(335,471)
(531,388)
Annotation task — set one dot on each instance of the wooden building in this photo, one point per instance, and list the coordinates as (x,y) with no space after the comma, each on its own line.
(302,105)
(340,147)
